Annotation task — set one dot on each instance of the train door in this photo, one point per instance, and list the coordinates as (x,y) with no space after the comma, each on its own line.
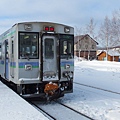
(50,65)
(12,60)
(5,47)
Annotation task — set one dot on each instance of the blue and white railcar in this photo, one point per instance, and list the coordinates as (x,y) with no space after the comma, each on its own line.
(38,58)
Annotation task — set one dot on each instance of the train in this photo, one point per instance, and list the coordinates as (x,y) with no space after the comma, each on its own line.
(37,59)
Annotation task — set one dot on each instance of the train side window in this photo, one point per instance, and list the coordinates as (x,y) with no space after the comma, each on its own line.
(6,47)
(0,51)
(12,47)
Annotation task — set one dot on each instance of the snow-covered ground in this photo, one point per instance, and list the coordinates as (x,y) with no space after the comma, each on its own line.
(97,104)
(102,74)
(13,107)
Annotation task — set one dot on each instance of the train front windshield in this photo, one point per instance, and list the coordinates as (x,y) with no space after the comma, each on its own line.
(66,46)
(28,45)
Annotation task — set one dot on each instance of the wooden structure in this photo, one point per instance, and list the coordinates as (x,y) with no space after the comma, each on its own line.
(85,46)
(110,56)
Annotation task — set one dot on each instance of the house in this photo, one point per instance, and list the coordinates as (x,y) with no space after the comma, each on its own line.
(85,46)
(111,55)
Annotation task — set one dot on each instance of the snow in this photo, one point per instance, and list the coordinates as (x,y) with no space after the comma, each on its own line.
(98,104)
(103,74)
(13,107)
(60,112)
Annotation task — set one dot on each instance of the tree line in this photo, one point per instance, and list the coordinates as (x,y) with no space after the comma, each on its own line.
(107,34)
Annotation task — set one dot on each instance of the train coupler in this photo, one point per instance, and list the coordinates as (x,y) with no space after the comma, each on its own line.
(51,90)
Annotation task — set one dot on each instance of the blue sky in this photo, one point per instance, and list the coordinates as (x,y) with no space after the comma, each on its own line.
(74,13)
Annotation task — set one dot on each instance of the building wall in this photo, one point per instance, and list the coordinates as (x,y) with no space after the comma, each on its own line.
(85,44)
(86,48)
(86,54)
(102,57)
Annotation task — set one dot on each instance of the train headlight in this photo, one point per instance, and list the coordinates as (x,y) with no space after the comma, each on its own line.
(67,66)
(68,74)
(28,67)
(28,27)
(66,29)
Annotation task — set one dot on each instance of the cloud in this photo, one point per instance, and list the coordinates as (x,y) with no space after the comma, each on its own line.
(36,7)
(28,10)
(74,13)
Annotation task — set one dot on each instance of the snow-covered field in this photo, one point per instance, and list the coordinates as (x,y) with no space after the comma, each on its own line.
(97,104)
(103,74)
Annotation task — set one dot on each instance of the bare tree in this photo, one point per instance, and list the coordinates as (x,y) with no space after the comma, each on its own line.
(90,28)
(78,32)
(116,14)
(105,34)
(115,28)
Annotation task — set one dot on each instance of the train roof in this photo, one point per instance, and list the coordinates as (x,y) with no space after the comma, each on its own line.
(42,23)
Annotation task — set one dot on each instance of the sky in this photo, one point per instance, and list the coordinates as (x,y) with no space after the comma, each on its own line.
(75,13)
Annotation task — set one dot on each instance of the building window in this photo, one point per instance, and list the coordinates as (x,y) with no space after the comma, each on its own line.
(86,47)
(93,46)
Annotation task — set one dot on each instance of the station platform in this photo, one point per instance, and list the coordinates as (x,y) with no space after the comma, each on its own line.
(13,107)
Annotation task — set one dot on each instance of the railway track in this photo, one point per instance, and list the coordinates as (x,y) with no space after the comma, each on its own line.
(75,111)
(43,111)
(59,110)
(97,88)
